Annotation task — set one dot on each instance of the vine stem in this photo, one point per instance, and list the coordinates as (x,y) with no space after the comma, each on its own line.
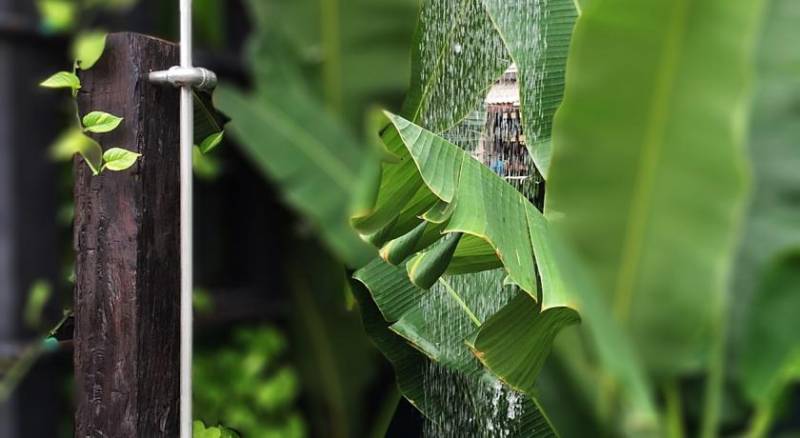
(331,44)
(716,378)
(674,410)
(761,421)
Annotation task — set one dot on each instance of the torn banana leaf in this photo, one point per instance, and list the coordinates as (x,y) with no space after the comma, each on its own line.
(495,219)
(476,223)
(208,120)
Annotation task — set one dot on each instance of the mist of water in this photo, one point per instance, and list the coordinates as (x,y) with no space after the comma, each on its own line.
(474,90)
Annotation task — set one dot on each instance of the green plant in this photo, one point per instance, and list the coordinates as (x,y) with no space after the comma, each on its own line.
(760,336)
(460,218)
(246,385)
(381,215)
(646,186)
(653,206)
(200,430)
(96,122)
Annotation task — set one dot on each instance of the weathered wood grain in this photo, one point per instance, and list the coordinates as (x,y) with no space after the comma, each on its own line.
(127,251)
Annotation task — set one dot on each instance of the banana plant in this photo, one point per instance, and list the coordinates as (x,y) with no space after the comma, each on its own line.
(440,215)
(415,210)
(648,178)
(763,341)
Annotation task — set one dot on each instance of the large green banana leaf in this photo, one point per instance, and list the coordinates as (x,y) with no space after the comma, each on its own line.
(763,344)
(309,152)
(353,52)
(647,177)
(474,202)
(285,127)
(306,159)
(480,204)
(513,340)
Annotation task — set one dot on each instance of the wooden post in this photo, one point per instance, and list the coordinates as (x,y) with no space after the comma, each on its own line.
(128,257)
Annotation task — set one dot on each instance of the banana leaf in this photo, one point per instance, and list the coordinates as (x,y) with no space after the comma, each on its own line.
(762,341)
(354,52)
(647,176)
(770,356)
(494,226)
(479,199)
(438,375)
(316,160)
(208,120)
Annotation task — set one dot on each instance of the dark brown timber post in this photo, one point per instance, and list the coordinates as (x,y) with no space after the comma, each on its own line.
(128,251)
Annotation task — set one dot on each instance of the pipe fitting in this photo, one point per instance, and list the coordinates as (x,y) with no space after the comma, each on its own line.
(195,77)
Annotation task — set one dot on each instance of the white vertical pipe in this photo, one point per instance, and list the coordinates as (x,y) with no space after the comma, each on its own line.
(187,142)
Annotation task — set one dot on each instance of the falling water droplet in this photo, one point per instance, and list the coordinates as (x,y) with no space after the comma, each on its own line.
(475,404)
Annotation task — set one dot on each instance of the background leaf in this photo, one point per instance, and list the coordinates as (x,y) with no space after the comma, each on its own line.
(353,52)
(764,283)
(647,178)
(275,134)
(88,47)
(770,348)
(773,223)
(211,142)
(625,184)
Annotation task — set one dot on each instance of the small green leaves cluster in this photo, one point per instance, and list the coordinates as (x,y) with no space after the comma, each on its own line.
(96,122)
(87,48)
(248,383)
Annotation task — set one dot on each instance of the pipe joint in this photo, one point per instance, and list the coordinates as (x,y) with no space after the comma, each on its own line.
(195,77)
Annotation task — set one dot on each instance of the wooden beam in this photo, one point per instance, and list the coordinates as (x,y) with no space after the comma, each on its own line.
(127,251)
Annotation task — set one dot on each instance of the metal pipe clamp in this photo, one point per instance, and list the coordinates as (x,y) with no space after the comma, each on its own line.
(196,77)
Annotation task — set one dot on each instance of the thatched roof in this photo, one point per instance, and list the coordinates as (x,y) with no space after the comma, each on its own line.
(506,90)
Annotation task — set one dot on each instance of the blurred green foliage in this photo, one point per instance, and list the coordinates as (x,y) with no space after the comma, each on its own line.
(59,16)
(38,296)
(248,385)
(200,430)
